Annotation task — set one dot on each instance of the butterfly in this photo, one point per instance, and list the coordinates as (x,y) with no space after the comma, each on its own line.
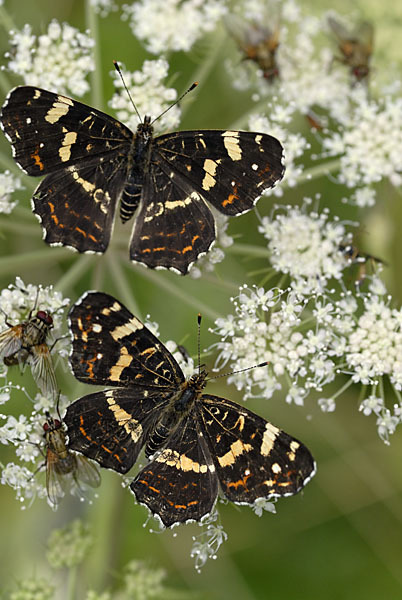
(26,343)
(62,466)
(356,46)
(196,444)
(91,161)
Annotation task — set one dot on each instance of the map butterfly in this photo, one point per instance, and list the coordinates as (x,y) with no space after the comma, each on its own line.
(91,161)
(197,444)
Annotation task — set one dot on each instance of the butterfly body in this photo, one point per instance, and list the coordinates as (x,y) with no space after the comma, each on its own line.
(91,161)
(196,443)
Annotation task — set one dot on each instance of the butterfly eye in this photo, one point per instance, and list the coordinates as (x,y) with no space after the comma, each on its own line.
(45,317)
(57,424)
(46,426)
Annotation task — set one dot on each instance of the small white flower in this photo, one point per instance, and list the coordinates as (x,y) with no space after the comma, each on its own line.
(149,93)
(8,185)
(59,60)
(174,25)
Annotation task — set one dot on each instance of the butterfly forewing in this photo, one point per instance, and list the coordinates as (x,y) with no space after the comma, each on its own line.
(230,169)
(112,347)
(253,458)
(49,131)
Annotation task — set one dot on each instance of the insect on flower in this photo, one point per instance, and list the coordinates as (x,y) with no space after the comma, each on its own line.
(26,343)
(355,257)
(258,42)
(355,45)
(63,467)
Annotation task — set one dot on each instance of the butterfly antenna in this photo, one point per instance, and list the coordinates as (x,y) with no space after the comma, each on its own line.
(116,66)
(192,86)
(199,342)
(263,364)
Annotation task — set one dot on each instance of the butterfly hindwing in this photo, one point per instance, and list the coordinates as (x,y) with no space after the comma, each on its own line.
(112,347)
(111,426)
(180,483)
(174,228)
(78,205)
(253,458)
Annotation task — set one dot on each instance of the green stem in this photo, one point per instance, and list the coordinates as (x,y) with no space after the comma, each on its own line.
(196,304)
(203,71)
(6,20)
(321,170)
(125,292)
(5,84)
(72,583)
(95,76)
(248,250)
(342,389)
(17,227)
(11,264)
(74,273)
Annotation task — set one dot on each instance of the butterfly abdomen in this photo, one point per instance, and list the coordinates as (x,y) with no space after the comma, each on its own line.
(138,161)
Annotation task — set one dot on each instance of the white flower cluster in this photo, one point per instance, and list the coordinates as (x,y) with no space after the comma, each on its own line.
(308,342)
(174,25)
(59,60)
(369,140)
(150,95)
(103,7)
(8,185)
(306,246)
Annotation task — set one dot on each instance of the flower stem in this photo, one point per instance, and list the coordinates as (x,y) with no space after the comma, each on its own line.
(11,264)
(321,170)
(73,274)
(95,76)
(125,292)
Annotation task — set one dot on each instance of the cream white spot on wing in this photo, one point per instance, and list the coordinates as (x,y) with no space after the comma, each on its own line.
(59,108)
(209,181)
(124,419)
(122,330)
(270,434)
(231,143)
(65,149)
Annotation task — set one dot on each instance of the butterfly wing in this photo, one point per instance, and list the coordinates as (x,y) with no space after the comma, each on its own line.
(42,369)
(112,347)
(49,131)
(82,151)
(174,226)
(253,458)
(111,426)
(229,169)
(76,206)
(180,483)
